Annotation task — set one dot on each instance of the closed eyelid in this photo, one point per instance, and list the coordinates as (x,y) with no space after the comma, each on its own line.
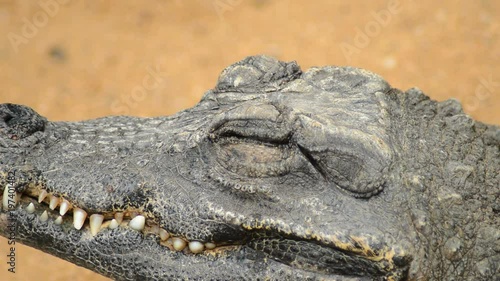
(253,111)
(258,130)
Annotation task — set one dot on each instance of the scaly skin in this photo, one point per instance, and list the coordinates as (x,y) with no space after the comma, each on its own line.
(329,174)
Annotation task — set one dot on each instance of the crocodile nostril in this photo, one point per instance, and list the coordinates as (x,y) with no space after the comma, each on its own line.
(18,121)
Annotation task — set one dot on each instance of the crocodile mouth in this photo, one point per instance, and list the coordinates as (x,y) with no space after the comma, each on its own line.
(353,259)
(58,210)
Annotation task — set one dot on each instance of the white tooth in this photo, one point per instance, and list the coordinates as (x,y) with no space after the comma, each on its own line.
(79,216)
(179,244)
(138,222)
(42,196)
(10,197)
(119,217)
(54,201)
(95,223)
(64,207)
(164,234)
(30,209)
(44,216)
(210,246)
(59,220)
(113,224)
(196,247)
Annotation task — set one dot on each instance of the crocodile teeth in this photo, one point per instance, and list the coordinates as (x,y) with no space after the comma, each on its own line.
(95,223)
(5,199)
(44,216)
(54,201)
(196,247)
(113,224)
(9,196)
(137,222)
(179,244)
(30,209)
(79,216)
(64,207)
(42,196)
(59,220)
(164,234)
(209,246)
(119,217)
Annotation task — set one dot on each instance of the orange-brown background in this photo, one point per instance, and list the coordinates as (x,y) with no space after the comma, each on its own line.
(89,58)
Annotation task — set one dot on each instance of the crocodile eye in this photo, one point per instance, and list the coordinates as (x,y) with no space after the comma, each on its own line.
(252,159)
(253,149)
(261,154)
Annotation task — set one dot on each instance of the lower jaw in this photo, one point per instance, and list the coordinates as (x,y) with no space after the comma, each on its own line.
(309,256)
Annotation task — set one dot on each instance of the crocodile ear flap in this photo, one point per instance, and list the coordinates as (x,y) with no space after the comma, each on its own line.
(257,74)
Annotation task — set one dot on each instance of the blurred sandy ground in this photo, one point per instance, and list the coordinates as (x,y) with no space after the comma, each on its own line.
(83,59)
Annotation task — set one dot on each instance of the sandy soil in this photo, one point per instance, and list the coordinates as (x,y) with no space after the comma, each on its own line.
(83,59)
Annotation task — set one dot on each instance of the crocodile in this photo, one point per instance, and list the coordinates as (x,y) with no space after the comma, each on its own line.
(276,174)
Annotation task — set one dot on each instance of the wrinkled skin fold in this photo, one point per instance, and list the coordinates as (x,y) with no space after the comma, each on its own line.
(277,174)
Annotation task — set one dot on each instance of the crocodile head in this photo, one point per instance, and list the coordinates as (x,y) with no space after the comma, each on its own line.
(276,174)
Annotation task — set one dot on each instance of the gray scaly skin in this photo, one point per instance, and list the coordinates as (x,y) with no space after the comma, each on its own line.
(328,174)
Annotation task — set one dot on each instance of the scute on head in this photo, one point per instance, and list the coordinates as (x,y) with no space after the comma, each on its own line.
(257,74)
